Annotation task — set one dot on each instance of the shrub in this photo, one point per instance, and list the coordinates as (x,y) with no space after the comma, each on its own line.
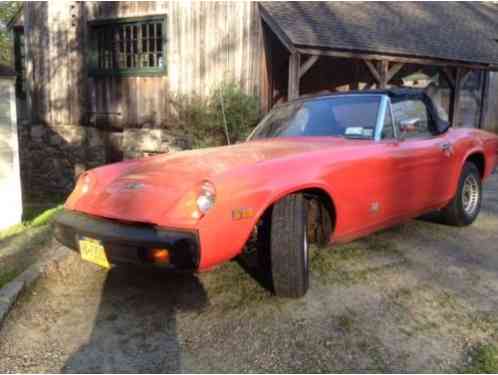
(241,110)
(203,119)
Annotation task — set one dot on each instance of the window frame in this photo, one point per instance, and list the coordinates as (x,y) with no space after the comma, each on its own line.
(430,122)
(93,69)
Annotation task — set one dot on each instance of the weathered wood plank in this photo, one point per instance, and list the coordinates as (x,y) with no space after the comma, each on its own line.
(307,65)
(294,64)
(373,70)
(392,58)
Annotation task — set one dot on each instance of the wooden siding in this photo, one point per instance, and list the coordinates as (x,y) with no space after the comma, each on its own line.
(490,115)
(212,42)
(208,42)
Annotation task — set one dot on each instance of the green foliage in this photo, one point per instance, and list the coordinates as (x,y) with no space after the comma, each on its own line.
(7,276)
(203,119)
(7,10)
(484,360)
(241,110)
(40,218)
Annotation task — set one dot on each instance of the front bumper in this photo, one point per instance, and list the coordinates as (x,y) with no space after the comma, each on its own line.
(129,243)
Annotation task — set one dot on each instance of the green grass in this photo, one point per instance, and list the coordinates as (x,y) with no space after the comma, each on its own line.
(36,217)
(7,276)
(329,263)
(20,244)
(484,360)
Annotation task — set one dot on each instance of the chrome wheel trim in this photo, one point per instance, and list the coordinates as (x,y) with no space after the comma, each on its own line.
(470,194)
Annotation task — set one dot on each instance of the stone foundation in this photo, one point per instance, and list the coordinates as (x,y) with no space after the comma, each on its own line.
(53,157)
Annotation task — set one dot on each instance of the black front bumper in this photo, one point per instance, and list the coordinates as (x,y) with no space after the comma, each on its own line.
(128,243)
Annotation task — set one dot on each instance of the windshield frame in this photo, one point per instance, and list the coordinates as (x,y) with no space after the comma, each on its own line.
(384,105)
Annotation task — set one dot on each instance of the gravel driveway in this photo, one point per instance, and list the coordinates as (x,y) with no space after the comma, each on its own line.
(417,297)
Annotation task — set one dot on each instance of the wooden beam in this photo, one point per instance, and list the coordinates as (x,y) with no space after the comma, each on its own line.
(456,96)
(450,76)
(394,58)
(465,76)
(393,70)
(484,99)
(276,30)
(373,70)
(356,74)
(294,64)
(383,67)
(266,69)
(307,65)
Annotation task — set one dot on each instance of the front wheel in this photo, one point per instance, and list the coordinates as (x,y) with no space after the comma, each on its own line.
(466,204)
(289,247)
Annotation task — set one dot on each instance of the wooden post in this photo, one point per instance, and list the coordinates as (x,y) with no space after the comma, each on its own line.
(484,100)
(382,74)
(294,66)
(383,68)
(456,96)
(307,65)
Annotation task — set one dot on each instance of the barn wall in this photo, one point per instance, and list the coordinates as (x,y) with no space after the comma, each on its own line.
(121,102)
(211,42)
(78,121)
(208,42)
(490,116)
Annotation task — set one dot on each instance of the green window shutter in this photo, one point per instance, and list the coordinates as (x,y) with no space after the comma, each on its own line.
(128,46)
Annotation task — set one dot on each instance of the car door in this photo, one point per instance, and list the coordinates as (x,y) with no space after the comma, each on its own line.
(422,160)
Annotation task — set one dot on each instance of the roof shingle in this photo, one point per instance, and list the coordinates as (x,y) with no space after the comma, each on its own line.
(457,31)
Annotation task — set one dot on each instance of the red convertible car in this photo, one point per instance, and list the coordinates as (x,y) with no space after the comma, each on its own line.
(322,169)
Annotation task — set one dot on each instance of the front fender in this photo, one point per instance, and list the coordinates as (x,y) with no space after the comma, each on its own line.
(223,236)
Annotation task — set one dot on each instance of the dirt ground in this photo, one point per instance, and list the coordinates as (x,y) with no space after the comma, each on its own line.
(417,298)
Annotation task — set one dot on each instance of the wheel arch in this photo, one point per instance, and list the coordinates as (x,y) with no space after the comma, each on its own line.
(312,193)
(478,159)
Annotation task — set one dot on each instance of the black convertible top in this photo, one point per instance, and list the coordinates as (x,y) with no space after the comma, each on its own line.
(437,125)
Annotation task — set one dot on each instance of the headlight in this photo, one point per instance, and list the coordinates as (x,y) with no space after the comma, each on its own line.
(85,182)
(206,198)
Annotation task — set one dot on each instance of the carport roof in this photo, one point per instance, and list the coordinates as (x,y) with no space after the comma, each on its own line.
(451,31)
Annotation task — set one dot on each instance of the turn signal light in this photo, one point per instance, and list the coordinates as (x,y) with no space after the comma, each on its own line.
(161,256)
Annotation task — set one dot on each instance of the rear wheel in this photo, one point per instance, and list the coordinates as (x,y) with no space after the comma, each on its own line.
(466,204)
(289,247)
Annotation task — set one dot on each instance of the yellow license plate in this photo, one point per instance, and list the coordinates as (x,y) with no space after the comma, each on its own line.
(93,251)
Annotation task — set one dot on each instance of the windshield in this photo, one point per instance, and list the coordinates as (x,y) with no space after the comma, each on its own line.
(352,116)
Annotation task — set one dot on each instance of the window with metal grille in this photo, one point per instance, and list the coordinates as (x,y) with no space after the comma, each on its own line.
(128,46)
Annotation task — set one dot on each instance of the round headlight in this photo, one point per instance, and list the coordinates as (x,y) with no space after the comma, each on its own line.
(85,181)
(206,198)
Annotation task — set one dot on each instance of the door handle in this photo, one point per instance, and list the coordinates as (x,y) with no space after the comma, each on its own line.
(446,148)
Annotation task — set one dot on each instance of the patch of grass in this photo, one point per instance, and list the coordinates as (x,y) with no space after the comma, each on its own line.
(346,321)
(8,276)
(45,217)
(42,217)
(484,360)
(21,245)
(330,263)
(234,287)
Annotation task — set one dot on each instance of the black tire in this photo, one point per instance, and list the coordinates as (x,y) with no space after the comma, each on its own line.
(459,212)
(289,247)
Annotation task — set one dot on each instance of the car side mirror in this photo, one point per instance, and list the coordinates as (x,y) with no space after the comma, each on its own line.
(409,125)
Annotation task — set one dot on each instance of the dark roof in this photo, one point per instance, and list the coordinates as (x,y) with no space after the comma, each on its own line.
(457,31)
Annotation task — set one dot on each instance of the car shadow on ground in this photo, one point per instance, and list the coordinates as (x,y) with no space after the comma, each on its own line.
(135,328)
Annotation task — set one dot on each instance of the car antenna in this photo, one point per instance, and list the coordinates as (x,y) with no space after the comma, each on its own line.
(224,117)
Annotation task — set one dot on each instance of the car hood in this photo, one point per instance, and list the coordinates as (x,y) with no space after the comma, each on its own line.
(146,189)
